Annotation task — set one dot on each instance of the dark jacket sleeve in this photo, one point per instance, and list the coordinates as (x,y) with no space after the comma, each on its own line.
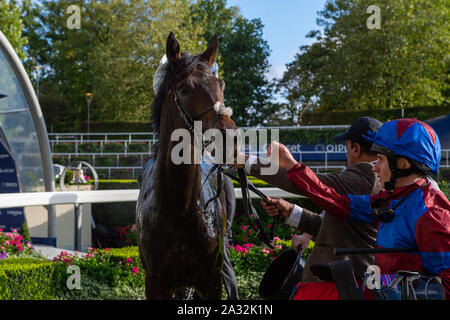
(310,222)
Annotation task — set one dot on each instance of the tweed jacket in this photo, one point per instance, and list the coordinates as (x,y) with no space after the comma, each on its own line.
(329,232)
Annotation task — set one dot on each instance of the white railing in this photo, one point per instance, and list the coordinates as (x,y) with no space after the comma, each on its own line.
(26,199)
(149,138)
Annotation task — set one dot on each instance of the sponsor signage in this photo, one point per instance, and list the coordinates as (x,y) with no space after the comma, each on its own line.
(10,218)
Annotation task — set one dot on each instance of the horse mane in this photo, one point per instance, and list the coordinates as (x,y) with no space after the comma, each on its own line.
(184,66)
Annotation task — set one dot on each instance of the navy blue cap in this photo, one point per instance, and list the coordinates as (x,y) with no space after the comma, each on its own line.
(359,128)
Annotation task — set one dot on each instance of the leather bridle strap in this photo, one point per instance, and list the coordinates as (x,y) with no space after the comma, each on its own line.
(252,214)
(186,116)
(277,219)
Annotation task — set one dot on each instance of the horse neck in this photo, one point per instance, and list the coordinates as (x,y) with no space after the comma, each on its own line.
(180,182)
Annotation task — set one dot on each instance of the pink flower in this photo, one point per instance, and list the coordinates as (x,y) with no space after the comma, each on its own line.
(135,270)
(133,227)
(14,230)
(244,228)
(248,245)
(28,244)
(265,251)
(276,239)
(106,249)
(128,260)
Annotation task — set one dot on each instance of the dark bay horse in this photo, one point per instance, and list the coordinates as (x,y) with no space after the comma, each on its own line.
(180,245)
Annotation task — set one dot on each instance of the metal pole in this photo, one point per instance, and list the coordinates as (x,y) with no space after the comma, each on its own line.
(77,226)
(89,116)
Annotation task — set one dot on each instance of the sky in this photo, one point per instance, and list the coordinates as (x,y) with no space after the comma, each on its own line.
(286,23)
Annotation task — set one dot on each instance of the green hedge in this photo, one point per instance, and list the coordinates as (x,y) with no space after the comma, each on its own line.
(111,274)
(28,279)
(37,279)
(347,117)
(309,118)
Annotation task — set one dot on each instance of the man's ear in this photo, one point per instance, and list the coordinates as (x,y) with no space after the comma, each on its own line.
(357,148)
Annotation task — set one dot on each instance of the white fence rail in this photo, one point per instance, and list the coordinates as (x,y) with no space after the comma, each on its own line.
(149,138)
(26,199)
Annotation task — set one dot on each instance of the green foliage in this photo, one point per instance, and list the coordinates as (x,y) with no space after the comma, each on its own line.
(445,188)
(27,279)
(350,67)
(117,184)
(105,56)
(248,284)
(25,233)
(12,26)
(337,117)
(64,147)
(245,61)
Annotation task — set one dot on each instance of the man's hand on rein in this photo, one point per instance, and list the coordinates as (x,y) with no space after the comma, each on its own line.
(277,206)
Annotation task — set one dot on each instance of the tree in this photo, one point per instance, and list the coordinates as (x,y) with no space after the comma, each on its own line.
(243,59)
(245,62)
(12,26)
(352,67)
(113,54)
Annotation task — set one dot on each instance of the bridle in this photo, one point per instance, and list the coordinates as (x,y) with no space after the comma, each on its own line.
(189,120)
(251,213)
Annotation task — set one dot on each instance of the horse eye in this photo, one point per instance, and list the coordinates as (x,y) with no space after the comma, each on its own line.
(184,90)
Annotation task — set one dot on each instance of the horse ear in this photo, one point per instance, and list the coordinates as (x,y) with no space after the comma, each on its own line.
(211,53)
(172,49)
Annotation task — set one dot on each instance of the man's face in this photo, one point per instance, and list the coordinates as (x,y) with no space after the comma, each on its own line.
(351,155)
(381,168)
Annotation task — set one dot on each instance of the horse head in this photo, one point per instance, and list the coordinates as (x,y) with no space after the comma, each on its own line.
(190,92)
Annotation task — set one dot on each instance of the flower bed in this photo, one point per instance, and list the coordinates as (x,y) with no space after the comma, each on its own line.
(108,273)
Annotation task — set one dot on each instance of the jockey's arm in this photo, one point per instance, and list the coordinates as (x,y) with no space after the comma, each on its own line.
(344,207)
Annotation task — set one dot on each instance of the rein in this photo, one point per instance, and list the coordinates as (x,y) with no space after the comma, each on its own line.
(250,211)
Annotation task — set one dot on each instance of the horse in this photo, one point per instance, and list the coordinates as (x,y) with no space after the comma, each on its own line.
(181,243)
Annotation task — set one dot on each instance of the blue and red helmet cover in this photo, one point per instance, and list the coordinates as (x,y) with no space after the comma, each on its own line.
(410,138)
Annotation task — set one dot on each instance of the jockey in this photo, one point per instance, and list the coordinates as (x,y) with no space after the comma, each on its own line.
(410,212)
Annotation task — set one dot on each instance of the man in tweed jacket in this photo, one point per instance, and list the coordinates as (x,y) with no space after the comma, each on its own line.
(327,231)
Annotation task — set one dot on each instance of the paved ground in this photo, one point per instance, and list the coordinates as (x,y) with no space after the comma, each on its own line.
(51,252)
